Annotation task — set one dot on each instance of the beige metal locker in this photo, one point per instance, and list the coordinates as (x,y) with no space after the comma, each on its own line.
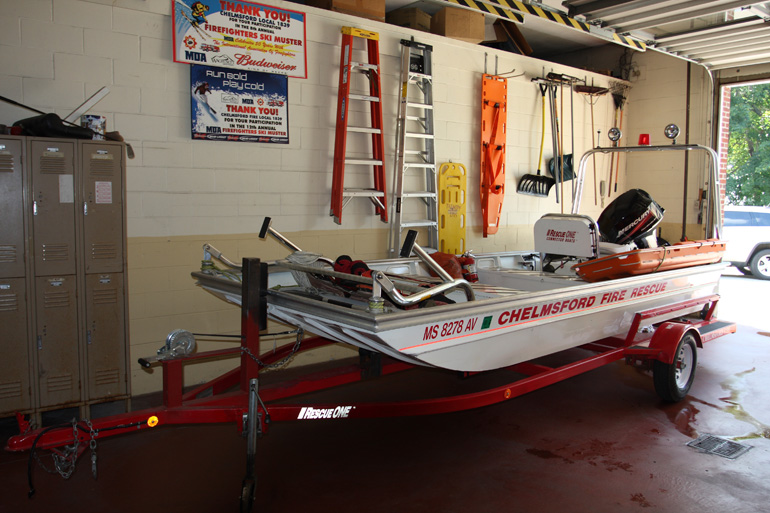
(12,261)
(52,168)
(102,203)
(15,383)
(105,336)
(56,339)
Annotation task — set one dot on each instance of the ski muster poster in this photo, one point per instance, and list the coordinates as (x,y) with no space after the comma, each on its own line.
(239,105)
(240,35)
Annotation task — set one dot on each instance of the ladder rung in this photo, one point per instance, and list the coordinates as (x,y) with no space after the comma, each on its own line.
(417,224)
(419,194)
(364,129)
(423,76)
(418,135)
(364,97)
(365,162)
(423,165)
(363,65)
(368,193)
(417,105)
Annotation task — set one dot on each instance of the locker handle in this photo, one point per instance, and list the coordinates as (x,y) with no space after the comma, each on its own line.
(34,208)
(85,208)
(39,342)
(88,337)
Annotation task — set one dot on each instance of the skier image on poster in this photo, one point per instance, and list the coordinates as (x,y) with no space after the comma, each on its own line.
(199,12)
(199,93)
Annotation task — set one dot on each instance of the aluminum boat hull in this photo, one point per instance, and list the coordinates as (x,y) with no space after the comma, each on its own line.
(525,315)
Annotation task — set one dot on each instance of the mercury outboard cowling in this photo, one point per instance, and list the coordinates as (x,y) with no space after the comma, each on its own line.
(632,217)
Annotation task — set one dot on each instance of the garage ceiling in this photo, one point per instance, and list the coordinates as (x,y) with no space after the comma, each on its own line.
(717,34)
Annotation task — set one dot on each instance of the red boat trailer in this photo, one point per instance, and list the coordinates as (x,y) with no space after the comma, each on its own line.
(237,397)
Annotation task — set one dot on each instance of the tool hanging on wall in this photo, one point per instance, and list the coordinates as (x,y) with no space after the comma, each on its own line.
(619,98)
(593,93)
(538,185)
(494,115)
(452,182)
(415,129)
(371,69)
(561,166)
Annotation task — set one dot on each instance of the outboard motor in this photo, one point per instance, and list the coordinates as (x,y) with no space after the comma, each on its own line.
(632,217)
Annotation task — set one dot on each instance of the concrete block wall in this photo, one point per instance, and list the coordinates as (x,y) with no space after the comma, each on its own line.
(181,193)
(658,97)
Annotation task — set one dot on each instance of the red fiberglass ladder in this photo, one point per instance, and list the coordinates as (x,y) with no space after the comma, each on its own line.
(371,69)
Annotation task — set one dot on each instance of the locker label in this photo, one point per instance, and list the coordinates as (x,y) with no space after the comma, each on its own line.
(103,192)
(102,155)
(66,189)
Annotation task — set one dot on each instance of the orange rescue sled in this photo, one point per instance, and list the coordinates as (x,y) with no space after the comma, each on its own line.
(650,260)
(494,113)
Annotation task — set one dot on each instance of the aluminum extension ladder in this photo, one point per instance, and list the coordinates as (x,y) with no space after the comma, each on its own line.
(371,69)
(415,149)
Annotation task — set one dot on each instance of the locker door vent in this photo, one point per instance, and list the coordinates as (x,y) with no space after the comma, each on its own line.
(106,377)
(104,251)
(56,252)
(56,299)
(8,253)
(106,297)
(53,165)
(101,168)
(10,390)
(61,383)
(6,163)
(9,303)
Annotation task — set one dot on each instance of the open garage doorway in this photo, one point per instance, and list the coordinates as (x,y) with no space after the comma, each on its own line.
(744,147)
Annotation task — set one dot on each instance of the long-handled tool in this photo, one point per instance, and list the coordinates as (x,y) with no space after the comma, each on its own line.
(618,96)
(593,93)
(538,185)
(554,136)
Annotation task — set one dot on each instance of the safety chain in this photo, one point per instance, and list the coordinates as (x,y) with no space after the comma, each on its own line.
(65,460)
(283,361)
(92,445)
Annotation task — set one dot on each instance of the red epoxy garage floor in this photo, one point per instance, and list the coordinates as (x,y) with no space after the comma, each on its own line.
(599,442)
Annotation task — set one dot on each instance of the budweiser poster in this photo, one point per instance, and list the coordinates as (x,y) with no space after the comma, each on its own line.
(240,35)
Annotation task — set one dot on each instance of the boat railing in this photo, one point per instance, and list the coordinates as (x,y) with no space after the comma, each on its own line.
(713,220)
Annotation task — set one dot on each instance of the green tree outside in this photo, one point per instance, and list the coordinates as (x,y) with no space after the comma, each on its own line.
(748,156)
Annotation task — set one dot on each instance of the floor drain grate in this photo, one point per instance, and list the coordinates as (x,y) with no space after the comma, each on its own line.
(719,446)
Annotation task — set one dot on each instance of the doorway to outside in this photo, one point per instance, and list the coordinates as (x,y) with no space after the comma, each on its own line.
(744,148)
(744,143)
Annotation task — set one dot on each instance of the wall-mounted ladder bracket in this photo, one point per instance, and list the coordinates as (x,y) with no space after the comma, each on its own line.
(371,69)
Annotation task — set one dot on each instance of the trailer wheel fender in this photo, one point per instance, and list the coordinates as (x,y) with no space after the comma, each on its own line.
(667,337)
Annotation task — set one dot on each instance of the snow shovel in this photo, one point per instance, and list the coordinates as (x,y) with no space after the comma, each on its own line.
(538,185)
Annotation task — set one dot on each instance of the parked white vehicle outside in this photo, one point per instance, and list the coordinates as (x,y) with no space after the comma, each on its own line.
(747,232)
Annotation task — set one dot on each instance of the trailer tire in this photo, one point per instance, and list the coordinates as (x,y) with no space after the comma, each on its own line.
(673,380)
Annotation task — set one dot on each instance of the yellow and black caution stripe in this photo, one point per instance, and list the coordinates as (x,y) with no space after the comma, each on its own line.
(510,9)
(499,11)
(542,13)
(630,42)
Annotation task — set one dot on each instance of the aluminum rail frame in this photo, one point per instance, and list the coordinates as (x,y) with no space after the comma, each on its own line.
(714,220)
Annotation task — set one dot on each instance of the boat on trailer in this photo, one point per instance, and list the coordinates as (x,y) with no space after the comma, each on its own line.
(517,311)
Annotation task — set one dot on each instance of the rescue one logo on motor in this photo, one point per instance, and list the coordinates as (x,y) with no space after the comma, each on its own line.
(557,236)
